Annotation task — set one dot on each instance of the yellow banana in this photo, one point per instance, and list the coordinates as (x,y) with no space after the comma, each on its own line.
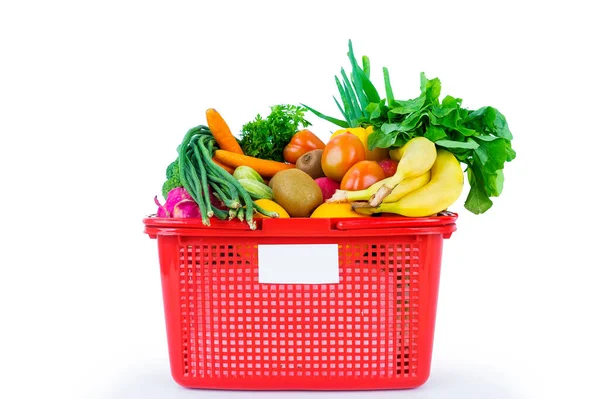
(359,195)
(443,190)
(417,157)
(407,186)
(396,153)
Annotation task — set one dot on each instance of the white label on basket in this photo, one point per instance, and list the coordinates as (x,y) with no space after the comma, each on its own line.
(298,264)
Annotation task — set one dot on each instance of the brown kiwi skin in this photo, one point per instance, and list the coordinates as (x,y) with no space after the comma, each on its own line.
(310,163)
(296,192)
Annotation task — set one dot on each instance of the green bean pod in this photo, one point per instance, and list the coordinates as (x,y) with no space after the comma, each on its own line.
(219,213)
(226,176)
(195,191)
(221,197)
(233,194)
(204,182)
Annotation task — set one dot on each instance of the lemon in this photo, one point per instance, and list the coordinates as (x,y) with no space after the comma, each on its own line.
(270,206)
(335,211)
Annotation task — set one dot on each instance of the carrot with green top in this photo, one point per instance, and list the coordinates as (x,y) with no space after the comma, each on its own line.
(221,132)
(264,167)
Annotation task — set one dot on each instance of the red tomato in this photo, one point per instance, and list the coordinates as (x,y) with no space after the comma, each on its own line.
(362,175)
(389,166)
(340,154)
(301,143)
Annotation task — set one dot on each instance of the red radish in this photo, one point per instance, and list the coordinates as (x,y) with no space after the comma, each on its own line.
(175,195)
(180,204)
(162,210)
(389,166)
(186,208)
(327,186)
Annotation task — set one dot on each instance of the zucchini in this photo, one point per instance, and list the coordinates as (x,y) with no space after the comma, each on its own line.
(257,190)
(246,172)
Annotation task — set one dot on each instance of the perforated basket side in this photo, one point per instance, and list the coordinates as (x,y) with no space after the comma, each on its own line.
(373,330)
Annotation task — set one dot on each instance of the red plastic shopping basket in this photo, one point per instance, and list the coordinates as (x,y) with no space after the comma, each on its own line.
(372,330)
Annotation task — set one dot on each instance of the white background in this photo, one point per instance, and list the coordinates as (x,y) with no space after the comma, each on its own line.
(95,97)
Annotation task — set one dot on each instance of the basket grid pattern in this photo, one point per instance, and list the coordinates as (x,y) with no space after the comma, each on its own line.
(367,325)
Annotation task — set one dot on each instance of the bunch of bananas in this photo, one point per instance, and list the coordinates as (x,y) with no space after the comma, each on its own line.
(427,181)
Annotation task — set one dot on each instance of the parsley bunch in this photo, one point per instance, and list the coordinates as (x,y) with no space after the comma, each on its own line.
(266,138)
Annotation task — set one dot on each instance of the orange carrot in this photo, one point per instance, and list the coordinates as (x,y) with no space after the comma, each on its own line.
(265,168)
(226,167)
(221,132)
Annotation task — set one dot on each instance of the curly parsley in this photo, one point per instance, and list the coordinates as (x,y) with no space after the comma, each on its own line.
(266,138)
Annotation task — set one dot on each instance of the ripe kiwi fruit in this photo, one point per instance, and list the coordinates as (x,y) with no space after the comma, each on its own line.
(296,192)
(310,163)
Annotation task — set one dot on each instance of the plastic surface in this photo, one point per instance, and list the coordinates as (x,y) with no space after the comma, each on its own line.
(373,330)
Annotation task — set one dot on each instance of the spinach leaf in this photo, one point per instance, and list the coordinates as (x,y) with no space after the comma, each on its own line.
(477,201)
(510,153)
(408,106)
(388,128)
(471,145)
(431,89)
(435,133)
(494,183)
(492,154)
(379,139)
(501,126)
(448,105)
(412,120)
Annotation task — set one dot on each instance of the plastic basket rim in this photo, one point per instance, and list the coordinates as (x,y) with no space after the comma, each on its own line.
(336,223)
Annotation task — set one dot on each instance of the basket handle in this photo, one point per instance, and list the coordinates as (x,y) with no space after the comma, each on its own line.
(395,222)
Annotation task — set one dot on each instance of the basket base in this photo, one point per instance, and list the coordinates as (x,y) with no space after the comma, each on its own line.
(303,383)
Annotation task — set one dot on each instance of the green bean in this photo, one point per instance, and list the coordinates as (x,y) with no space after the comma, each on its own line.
(192,190)
(197,190)
(240,214)
(209,146)
(233,194)
(197,187)
(204,182)
(200,128)
(225,175)
(181,151)
(208,156)
(211,166)
(220,195)
(219,213)
(249,207)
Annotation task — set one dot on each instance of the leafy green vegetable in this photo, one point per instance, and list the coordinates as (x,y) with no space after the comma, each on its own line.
(266,138)
(478,201)
(480,139)
(357,94)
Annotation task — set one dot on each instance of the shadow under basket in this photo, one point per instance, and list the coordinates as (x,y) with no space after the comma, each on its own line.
(372,330)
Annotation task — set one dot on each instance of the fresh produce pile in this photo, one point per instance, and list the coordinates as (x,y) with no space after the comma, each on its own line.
(389,157)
